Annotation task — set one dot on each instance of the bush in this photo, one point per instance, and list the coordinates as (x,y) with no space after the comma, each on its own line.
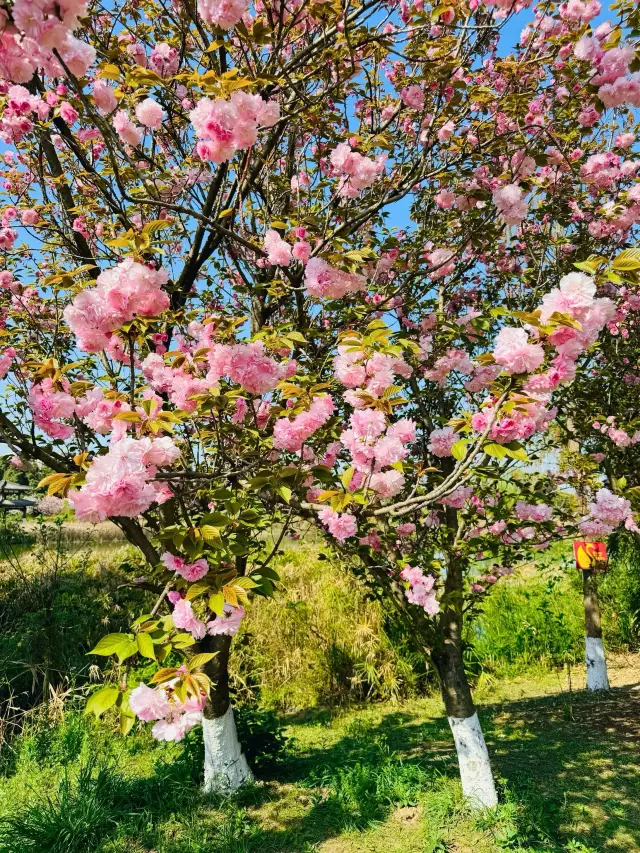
(620,593)
(72,820)
(47,625)
(262,737)
(531,619)
(322,640)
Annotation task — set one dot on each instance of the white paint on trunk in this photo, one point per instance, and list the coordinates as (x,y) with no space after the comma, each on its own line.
(225,767)
(473,758)
(597,678)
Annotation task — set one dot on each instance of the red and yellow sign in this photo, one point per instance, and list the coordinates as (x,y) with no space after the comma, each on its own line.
(590,555)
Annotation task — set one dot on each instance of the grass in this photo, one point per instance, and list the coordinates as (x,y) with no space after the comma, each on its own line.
(375,779)
(378,777)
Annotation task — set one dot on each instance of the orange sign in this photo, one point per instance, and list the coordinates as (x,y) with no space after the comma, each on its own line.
(590,555)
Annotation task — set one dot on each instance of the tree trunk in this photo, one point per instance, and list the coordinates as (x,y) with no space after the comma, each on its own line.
(597,678)
(473,758)
(225,767)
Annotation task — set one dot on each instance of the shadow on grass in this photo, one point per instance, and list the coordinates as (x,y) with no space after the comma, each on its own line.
(571,778)
(575,765)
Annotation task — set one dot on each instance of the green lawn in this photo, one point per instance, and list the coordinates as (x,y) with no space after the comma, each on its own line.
(380,779)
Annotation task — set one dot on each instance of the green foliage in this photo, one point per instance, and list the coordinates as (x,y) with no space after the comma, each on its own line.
(530,619)
(12,533)
(321,640)
(262,736)
(380,778)
(71,820)
(619,592)
(48,627)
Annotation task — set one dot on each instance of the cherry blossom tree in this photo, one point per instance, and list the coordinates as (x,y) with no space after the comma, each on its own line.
(304,260)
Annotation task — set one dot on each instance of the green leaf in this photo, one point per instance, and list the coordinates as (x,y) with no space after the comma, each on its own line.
(217,519)
(459,450)
(515,450)
(216,603)
(285,493)
(627,260)
(201,660)
(494,449)
(197,589)
(346,478)
(126,723)
(109,644)
(102,700)
(210,534)
(183,641)
(297,336)
(145,646)
(126,650)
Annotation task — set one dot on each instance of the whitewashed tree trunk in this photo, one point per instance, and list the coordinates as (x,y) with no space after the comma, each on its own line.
(475,769)
(225,767)
(597,677)
(473,758)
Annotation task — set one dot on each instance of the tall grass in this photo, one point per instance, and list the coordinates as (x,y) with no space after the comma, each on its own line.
(321,640)
(529,620)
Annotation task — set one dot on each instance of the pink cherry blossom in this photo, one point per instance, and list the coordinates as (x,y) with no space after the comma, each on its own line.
(150,113)
(291,434)
(441,441)
(514,352)
(227,624)
(189,571)
(278,250)
(185,619)
(323,281)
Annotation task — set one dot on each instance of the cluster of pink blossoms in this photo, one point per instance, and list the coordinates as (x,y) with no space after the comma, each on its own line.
(510,203)
(118,483)
(49,405)
(576,297)
(441,441)
(291,434)
(6,360)
(224,127)
(606,513)
(514,352)
(533,512)
(185,619)
(610,69)
(618,436)
(246,364)
(17,115)
(372,444)
(453,359)
(357,171)
(174,719)
(420,589)
(189,571)
(324,281)
(341,525)
(222,13)
(413,96)
(37,28)
(120,293)
(278,250)
(376,373)
(521,423)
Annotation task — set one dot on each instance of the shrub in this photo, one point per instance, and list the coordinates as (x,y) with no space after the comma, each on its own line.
(322,640)
(72,820)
